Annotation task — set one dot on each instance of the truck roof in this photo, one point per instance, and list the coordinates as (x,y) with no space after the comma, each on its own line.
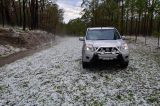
(93,28)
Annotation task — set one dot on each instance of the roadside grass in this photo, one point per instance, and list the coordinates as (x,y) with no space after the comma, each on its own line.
(157,58)
(155,54)
(96,103)
(3,88)
(125,97)
(25,84)
(154,98)
(57,66)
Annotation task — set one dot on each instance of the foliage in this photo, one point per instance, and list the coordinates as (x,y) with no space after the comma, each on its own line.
(76,27)
(138,15)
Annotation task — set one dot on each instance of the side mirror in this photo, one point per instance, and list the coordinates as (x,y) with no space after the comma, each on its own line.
(81,38)
(123,37)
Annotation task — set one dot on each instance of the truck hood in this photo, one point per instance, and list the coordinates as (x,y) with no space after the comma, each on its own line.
(105,43)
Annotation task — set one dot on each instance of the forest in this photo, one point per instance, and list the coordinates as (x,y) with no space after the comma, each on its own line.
(130,17)
(32,14)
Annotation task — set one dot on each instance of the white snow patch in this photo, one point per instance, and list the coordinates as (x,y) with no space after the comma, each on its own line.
(6,50)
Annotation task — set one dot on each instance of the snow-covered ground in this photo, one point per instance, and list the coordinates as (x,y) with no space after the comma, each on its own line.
(150,41)
(6,50)
(55,77)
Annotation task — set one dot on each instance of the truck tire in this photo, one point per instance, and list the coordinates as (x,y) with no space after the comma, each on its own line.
(84,64)
(124,64)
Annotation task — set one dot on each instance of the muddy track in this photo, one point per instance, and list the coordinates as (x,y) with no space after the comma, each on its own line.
(19,55)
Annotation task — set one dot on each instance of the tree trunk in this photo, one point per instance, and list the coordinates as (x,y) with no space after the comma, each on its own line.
(158,34)
(131,25)
(20,13)
(144,24)
(136,30)
(158,41)
(2,12)
(36,14)
(122,13)
(7,14)
(151,20)
(24,15)
(147,31)
(15,12)
(32,8)
(139,23)
(127,24)
(28,20)
(41,12)
(151,25)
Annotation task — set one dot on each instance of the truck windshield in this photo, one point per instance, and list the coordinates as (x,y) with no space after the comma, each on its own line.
(102,34)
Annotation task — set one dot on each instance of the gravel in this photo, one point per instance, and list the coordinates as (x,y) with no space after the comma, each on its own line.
(55,77)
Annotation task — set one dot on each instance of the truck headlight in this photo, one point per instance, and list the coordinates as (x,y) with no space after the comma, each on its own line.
(125,46)
(89,47)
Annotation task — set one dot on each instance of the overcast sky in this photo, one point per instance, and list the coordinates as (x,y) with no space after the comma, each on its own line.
(72,8)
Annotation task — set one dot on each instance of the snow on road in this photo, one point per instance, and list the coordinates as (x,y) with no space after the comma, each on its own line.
(55,77)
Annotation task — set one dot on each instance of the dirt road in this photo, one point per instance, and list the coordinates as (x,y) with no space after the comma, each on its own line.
(55,77)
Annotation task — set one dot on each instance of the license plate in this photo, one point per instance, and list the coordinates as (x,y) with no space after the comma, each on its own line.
(106,56)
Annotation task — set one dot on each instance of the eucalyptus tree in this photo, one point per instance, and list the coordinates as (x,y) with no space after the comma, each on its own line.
(2,11)
(126,17)
(101,13)
(140,8)
(157,15)
(151,9)
(76,27)
(33,14)
(91,8)
(20,13)
(15,10)
(24,14)
(130,5)
(86,12)
(122,16)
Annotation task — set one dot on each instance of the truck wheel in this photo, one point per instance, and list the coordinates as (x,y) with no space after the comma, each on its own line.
(84,65)
(124,64)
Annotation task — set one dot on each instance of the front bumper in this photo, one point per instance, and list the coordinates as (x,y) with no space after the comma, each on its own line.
(89,56)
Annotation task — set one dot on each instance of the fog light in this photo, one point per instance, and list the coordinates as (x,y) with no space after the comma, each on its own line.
(126,57)
(87,57)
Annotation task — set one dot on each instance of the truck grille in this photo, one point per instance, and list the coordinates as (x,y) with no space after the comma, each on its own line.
(106,50)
